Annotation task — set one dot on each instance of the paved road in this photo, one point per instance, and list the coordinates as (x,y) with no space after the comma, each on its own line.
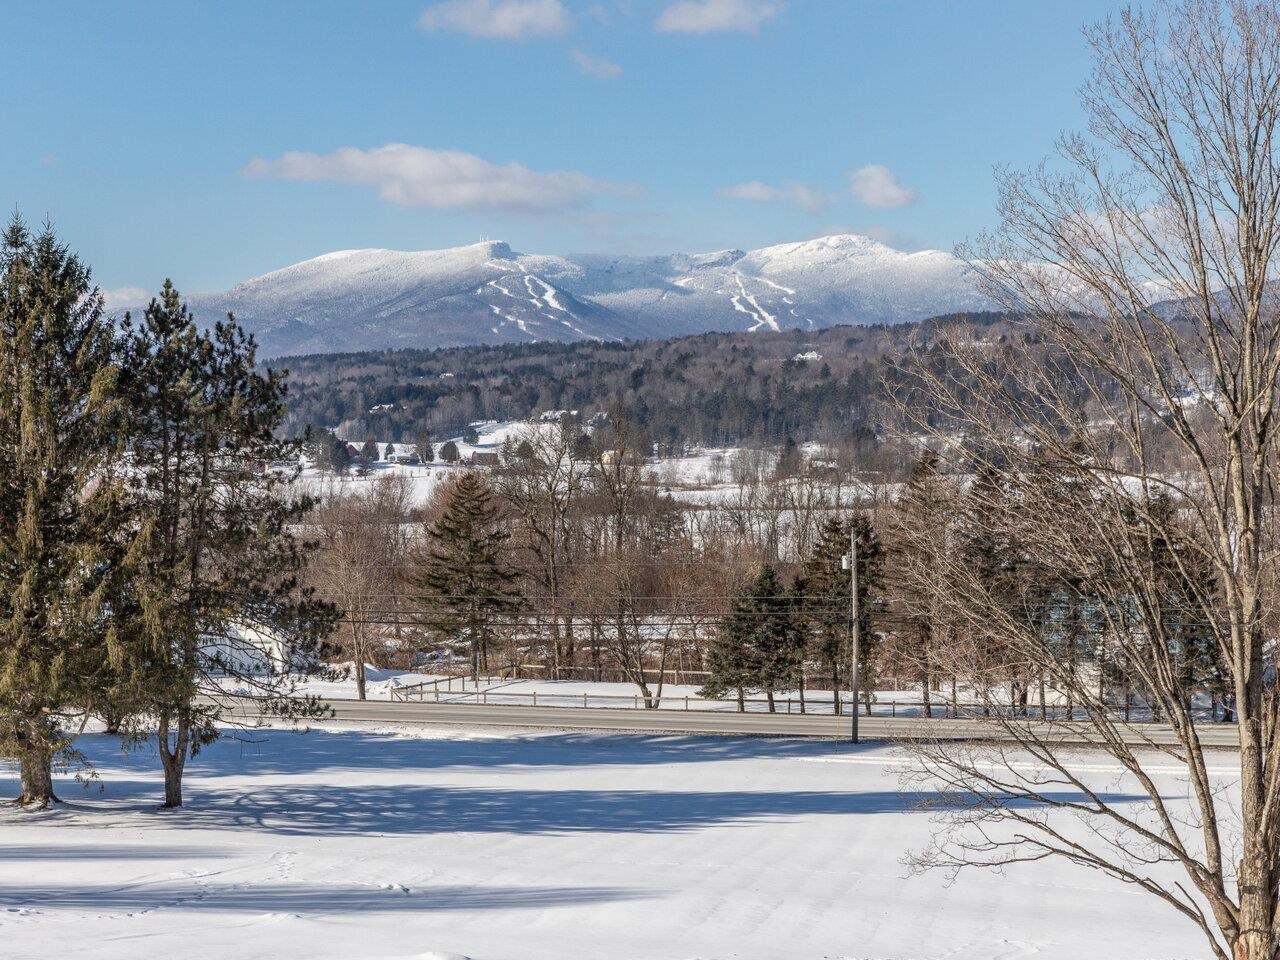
(713,722)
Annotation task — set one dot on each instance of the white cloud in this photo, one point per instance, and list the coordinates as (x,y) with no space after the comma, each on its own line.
(789,191)
(715,16)
(595,66)
(421,177)
(118,298)
(877,186)
(499,19)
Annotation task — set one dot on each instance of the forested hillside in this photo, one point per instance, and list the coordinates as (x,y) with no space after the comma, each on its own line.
(709,389)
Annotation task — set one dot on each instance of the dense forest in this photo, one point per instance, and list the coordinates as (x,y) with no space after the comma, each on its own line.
(709,389)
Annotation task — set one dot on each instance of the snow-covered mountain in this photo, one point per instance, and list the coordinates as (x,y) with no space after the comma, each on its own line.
(487,293)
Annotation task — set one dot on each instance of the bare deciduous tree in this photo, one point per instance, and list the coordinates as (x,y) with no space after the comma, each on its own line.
(356,565)
(542,481)
(1133,429)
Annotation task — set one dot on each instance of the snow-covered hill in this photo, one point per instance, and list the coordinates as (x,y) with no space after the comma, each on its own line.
(488,293)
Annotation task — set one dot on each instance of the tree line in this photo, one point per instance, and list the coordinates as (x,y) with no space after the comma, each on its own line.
(565,563)
(714,389)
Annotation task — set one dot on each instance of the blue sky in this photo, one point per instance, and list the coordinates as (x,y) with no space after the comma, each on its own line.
(211,142)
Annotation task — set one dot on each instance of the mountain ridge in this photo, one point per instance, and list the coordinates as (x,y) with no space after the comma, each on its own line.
(487,292)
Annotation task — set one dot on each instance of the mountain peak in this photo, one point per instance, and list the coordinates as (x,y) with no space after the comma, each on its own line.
(485,292)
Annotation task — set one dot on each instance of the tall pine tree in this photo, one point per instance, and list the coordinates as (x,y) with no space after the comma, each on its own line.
(221,574)
(824,584)
(67,545)
(463,580)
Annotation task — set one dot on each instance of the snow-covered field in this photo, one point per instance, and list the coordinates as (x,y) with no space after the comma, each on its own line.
(422,478)
(363,844)
(701,479)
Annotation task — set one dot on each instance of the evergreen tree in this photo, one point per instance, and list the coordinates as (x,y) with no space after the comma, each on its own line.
(463,578)
(789,459)
(824,585)
(984,542)
(340,456)
(317,446)
(426,452)
(209,473)
(391,448)
(759,644)
(449,452)
(67,544)
(470,436)
(368,457)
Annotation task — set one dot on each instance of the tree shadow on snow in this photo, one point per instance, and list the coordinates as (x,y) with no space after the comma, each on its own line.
(411,809)
(281,751)
(104,851)
(303,898)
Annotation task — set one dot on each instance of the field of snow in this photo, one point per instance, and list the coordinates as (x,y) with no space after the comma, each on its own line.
(366,844)
(422,478)
(422,481)
(700,479)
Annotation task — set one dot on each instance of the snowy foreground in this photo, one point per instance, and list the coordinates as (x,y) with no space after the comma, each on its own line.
(364,844)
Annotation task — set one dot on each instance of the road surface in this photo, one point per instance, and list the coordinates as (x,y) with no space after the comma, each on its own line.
(719,722)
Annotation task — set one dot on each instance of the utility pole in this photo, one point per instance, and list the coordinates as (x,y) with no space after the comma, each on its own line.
(854,631)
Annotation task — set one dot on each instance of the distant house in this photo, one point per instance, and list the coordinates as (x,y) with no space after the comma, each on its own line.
(245,648)
(480,458)
(403,456)
(611,457)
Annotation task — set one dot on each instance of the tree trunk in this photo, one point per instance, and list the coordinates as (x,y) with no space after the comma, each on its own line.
(173,757)
(1255,945)
(742,700)
(769,696)
(650,702)
(595,651)
(555,643)
(111,720)
(1257,884)
(36,737)
(359,673)
(37,777)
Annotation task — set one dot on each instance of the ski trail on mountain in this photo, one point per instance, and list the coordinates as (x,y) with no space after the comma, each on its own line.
(548,292)
(507,318)
(777,286)
(762,316)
